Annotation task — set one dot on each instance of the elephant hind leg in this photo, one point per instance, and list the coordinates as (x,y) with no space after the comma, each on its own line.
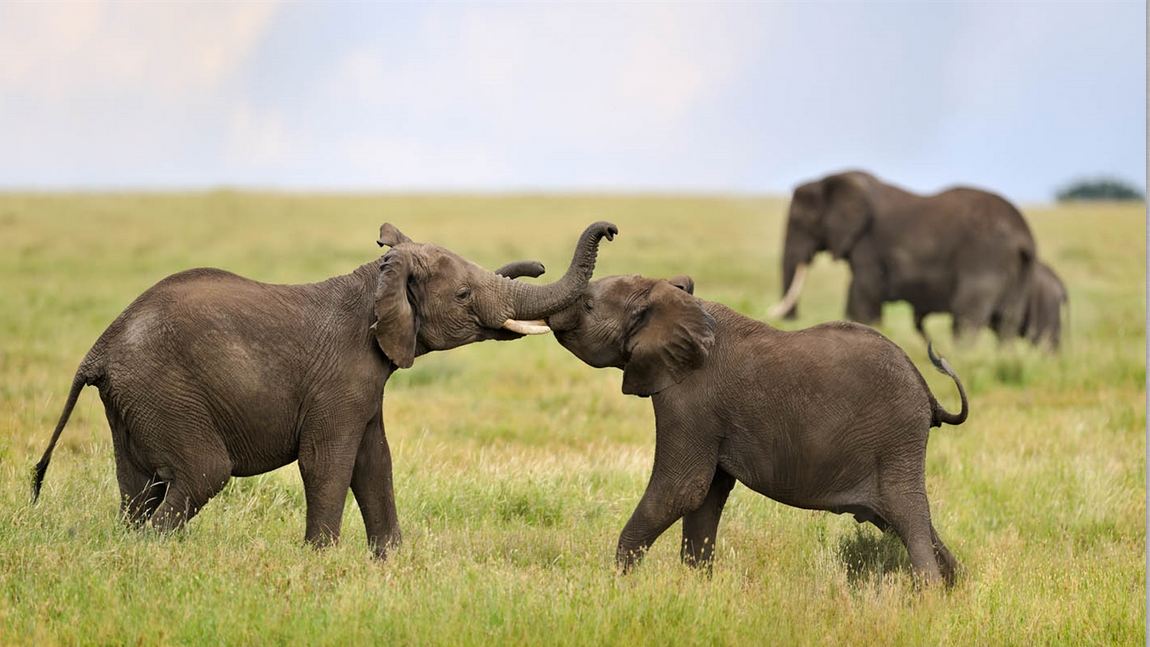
(919,320)
(973,305)
(193,477)
(141,491)
(910,517)
(946,561)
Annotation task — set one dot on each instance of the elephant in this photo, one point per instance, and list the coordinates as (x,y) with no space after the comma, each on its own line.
(1042,324)
(963,251)
(834,417)
(209,375)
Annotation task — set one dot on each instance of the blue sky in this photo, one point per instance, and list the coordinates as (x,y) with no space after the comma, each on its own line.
(1020,97)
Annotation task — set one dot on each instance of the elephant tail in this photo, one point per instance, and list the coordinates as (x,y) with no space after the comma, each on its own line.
(82,379)
(940,415)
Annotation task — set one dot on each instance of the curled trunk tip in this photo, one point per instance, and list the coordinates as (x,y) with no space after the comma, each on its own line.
(538,301)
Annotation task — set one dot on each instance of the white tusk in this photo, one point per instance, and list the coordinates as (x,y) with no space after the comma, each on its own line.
(538,327)
(792,295)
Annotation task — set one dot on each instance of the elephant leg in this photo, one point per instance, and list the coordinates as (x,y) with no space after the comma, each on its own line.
(919,321)
(973,305)
(701,525)
(910,517)
(865,294)
(191,486)
(140,490)
(679,483)
(326,463)
(371,482)
(946,561)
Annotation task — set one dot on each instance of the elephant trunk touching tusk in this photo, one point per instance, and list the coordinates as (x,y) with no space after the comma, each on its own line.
(792,295)
(537,327)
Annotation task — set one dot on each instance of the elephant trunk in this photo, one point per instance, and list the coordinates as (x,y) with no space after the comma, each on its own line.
(797,254)
(533,302)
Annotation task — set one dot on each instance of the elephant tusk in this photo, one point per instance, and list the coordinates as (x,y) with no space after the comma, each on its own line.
(537,327)
(792,295)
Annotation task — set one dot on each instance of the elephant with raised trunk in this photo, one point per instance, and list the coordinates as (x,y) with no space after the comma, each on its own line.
(834,417)
(963,251)
(209,375)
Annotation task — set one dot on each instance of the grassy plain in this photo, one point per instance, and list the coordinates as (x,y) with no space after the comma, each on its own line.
(517,465)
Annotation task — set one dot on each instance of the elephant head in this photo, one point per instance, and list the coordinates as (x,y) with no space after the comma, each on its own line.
(656,331)
(429,298)
(831,214)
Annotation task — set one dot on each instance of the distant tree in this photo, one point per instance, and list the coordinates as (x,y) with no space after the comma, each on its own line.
(1103,188)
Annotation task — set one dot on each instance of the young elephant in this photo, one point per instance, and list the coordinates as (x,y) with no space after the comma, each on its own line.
(209,375)
(1046,297)
(833,417)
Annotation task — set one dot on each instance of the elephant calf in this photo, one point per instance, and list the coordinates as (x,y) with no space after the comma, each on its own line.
(1047,295)
(209,375)
(833,417)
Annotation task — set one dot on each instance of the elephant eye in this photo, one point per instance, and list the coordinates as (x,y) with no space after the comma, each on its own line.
(463,293)
(588,305)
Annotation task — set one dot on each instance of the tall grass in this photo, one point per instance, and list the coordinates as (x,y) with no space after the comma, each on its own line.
(517,465)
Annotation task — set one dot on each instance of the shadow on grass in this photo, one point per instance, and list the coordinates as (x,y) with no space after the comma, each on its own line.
(868,556)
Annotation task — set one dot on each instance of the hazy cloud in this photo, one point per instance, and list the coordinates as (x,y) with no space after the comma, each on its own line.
(749,97)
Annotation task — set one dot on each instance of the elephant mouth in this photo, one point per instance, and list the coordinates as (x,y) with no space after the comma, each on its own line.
(514,329)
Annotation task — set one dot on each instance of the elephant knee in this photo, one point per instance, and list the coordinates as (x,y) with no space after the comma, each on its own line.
(690,493)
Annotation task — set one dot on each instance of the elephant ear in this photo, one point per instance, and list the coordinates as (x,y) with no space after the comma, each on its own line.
(683,282)
(848,212)
(390,236)
(396,321)
(671,337)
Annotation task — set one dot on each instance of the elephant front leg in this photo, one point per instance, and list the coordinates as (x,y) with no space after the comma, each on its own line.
(326,461)
(371,482)
(866,291)
(864,300)
(700,526)
(669,495)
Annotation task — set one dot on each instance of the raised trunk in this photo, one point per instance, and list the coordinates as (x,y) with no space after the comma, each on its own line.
(538,301)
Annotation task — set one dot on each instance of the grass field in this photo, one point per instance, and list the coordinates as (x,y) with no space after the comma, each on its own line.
(517,465)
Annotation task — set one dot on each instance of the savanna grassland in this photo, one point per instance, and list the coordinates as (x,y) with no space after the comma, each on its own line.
(517,465)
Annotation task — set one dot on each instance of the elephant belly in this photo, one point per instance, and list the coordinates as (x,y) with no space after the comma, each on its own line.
(924,281)
(927,293)
(258,451)
(822,471)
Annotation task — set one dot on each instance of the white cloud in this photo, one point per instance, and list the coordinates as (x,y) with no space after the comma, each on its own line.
(627,76)
(58,50)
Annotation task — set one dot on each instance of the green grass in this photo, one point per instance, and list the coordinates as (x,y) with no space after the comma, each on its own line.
(517,465)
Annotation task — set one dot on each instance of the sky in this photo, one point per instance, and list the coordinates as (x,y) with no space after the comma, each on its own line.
(1019,97)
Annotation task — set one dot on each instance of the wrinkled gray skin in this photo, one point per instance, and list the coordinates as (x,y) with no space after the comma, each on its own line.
(209,375)
(833,417)
(963,251)
(1042,324)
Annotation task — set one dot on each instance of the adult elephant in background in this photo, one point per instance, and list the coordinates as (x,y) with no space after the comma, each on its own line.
(209,375)
(963,251)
